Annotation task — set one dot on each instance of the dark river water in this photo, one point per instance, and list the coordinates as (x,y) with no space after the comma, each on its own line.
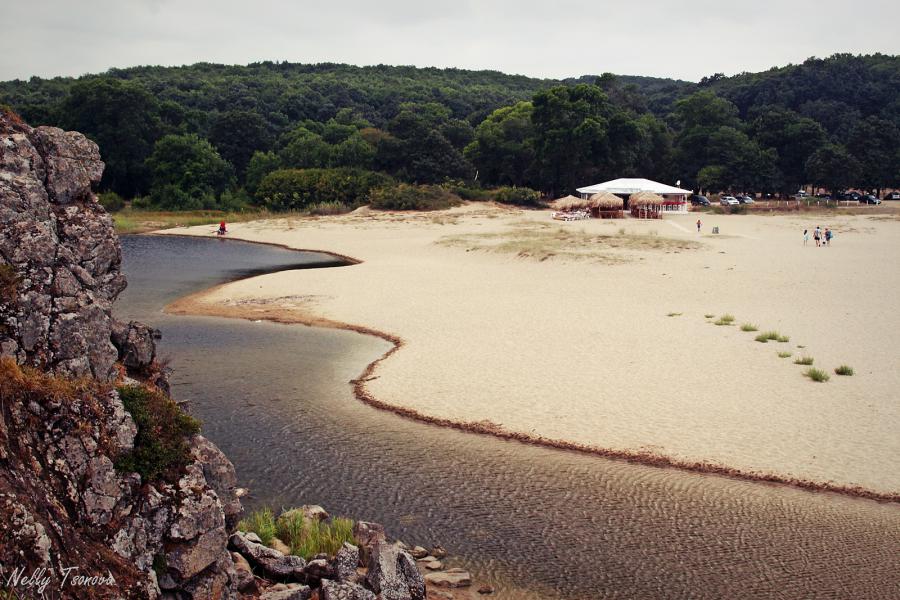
(276,399)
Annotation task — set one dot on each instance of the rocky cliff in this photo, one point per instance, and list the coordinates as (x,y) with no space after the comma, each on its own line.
(74,522)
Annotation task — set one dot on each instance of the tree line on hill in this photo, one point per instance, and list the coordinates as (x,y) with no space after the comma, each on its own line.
(288,136)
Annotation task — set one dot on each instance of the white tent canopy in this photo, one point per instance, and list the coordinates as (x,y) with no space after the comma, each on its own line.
(633,186)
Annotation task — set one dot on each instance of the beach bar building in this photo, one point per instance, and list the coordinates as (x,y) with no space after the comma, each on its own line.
(674,199)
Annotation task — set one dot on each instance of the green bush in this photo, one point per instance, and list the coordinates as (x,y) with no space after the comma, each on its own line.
(160,449)
(520,196)
(804,360)
(111,201)
(470,193)
(296,189)
(310,537)
(261,522)
(844,370)
(817,375)
(328,208)
(405,196)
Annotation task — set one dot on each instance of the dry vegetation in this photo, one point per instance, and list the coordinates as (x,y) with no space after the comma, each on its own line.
(542,241)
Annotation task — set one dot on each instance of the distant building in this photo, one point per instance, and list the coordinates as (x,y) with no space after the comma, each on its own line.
(675,200)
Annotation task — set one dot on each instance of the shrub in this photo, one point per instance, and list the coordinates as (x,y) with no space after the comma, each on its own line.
(725,319)
(111,201)
(844,370)
(817,375)
(297,189)
(804,360)
(310,537)
(405,196)
(520,196)
(748,327)
(784,354)
(762,338)
(783,339)
(261,522)
(469,193)
(160,449)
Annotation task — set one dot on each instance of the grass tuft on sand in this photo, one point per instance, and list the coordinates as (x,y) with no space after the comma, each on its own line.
(708,316)
(725,319)
(749,327)
(804,360)
(785,354)
(844,370)
(674,314)
(817,375)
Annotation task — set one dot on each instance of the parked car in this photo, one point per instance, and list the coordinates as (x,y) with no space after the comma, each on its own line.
(698,200)
(869,199)
(745,199)
(892,196)
(849,196)
(823,196)
(801,194)
(728,201)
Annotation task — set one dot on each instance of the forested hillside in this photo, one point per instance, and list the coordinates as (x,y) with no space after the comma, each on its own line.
(210,135)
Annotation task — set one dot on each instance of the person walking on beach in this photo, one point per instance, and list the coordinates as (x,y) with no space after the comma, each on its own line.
(698,225)
(817,236)
(805,236)
(828,236)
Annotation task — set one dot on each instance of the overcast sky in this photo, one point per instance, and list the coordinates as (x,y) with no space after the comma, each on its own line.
(685,39)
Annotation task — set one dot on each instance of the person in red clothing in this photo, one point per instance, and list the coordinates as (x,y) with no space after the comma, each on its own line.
(222,229)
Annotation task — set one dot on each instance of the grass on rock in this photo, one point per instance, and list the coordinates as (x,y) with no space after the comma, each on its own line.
(817,375)
(844,370)
(306,537)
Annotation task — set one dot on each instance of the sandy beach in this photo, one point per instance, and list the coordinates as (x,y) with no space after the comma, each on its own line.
(593,334)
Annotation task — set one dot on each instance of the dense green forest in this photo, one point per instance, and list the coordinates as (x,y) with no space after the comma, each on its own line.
(289,135)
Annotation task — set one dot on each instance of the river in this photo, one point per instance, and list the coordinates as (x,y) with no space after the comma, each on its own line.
(277,400)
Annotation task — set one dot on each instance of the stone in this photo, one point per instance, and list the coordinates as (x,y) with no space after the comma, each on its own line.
(277,544)
(318,569)
(345,562)
(190,559)
(426,559)
(434,565)
(438,552)
(368,535)
(486,589)
(135,343)
(451,578)
(270,562)
(419,552)
(312,512)
(244,579)
(334,590)
(393,574)
(291,591)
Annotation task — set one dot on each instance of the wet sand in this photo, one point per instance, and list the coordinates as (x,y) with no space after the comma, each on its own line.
(549,342)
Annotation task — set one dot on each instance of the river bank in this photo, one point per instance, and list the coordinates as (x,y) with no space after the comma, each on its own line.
(591,329)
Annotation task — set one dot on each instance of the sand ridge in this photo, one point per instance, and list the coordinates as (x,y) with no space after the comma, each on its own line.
(581,353)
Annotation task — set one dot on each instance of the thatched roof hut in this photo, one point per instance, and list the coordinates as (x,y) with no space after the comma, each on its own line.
(569,202)
(606,201)
(645,199)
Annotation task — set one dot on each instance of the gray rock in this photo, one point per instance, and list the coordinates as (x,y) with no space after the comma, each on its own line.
(135,343)
(345,562)
(291,591)
(311,512)
(451,578)
(368,535)
(270,562)
(393,574)
(418,552)
(333,590)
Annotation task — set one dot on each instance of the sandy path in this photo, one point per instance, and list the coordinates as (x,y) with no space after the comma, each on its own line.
(583,351)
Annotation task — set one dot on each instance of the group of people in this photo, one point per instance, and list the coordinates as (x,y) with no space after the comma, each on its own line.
(822,238)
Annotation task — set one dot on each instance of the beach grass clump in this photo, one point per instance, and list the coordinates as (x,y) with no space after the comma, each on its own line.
(749,327)
(725,319)
(308,537)
(785,354)
(261,522)
(844,370)
(783,339)
(804,360)
(817,375)
(674,314)
(708,316)
(762,338)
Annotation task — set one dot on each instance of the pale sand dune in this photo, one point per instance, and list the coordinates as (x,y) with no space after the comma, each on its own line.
(583,350)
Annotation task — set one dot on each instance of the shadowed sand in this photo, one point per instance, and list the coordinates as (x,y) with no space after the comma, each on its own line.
(507,323)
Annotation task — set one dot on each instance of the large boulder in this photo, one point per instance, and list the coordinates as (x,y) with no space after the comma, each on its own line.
(393,574)
(272,563)
(334,590)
